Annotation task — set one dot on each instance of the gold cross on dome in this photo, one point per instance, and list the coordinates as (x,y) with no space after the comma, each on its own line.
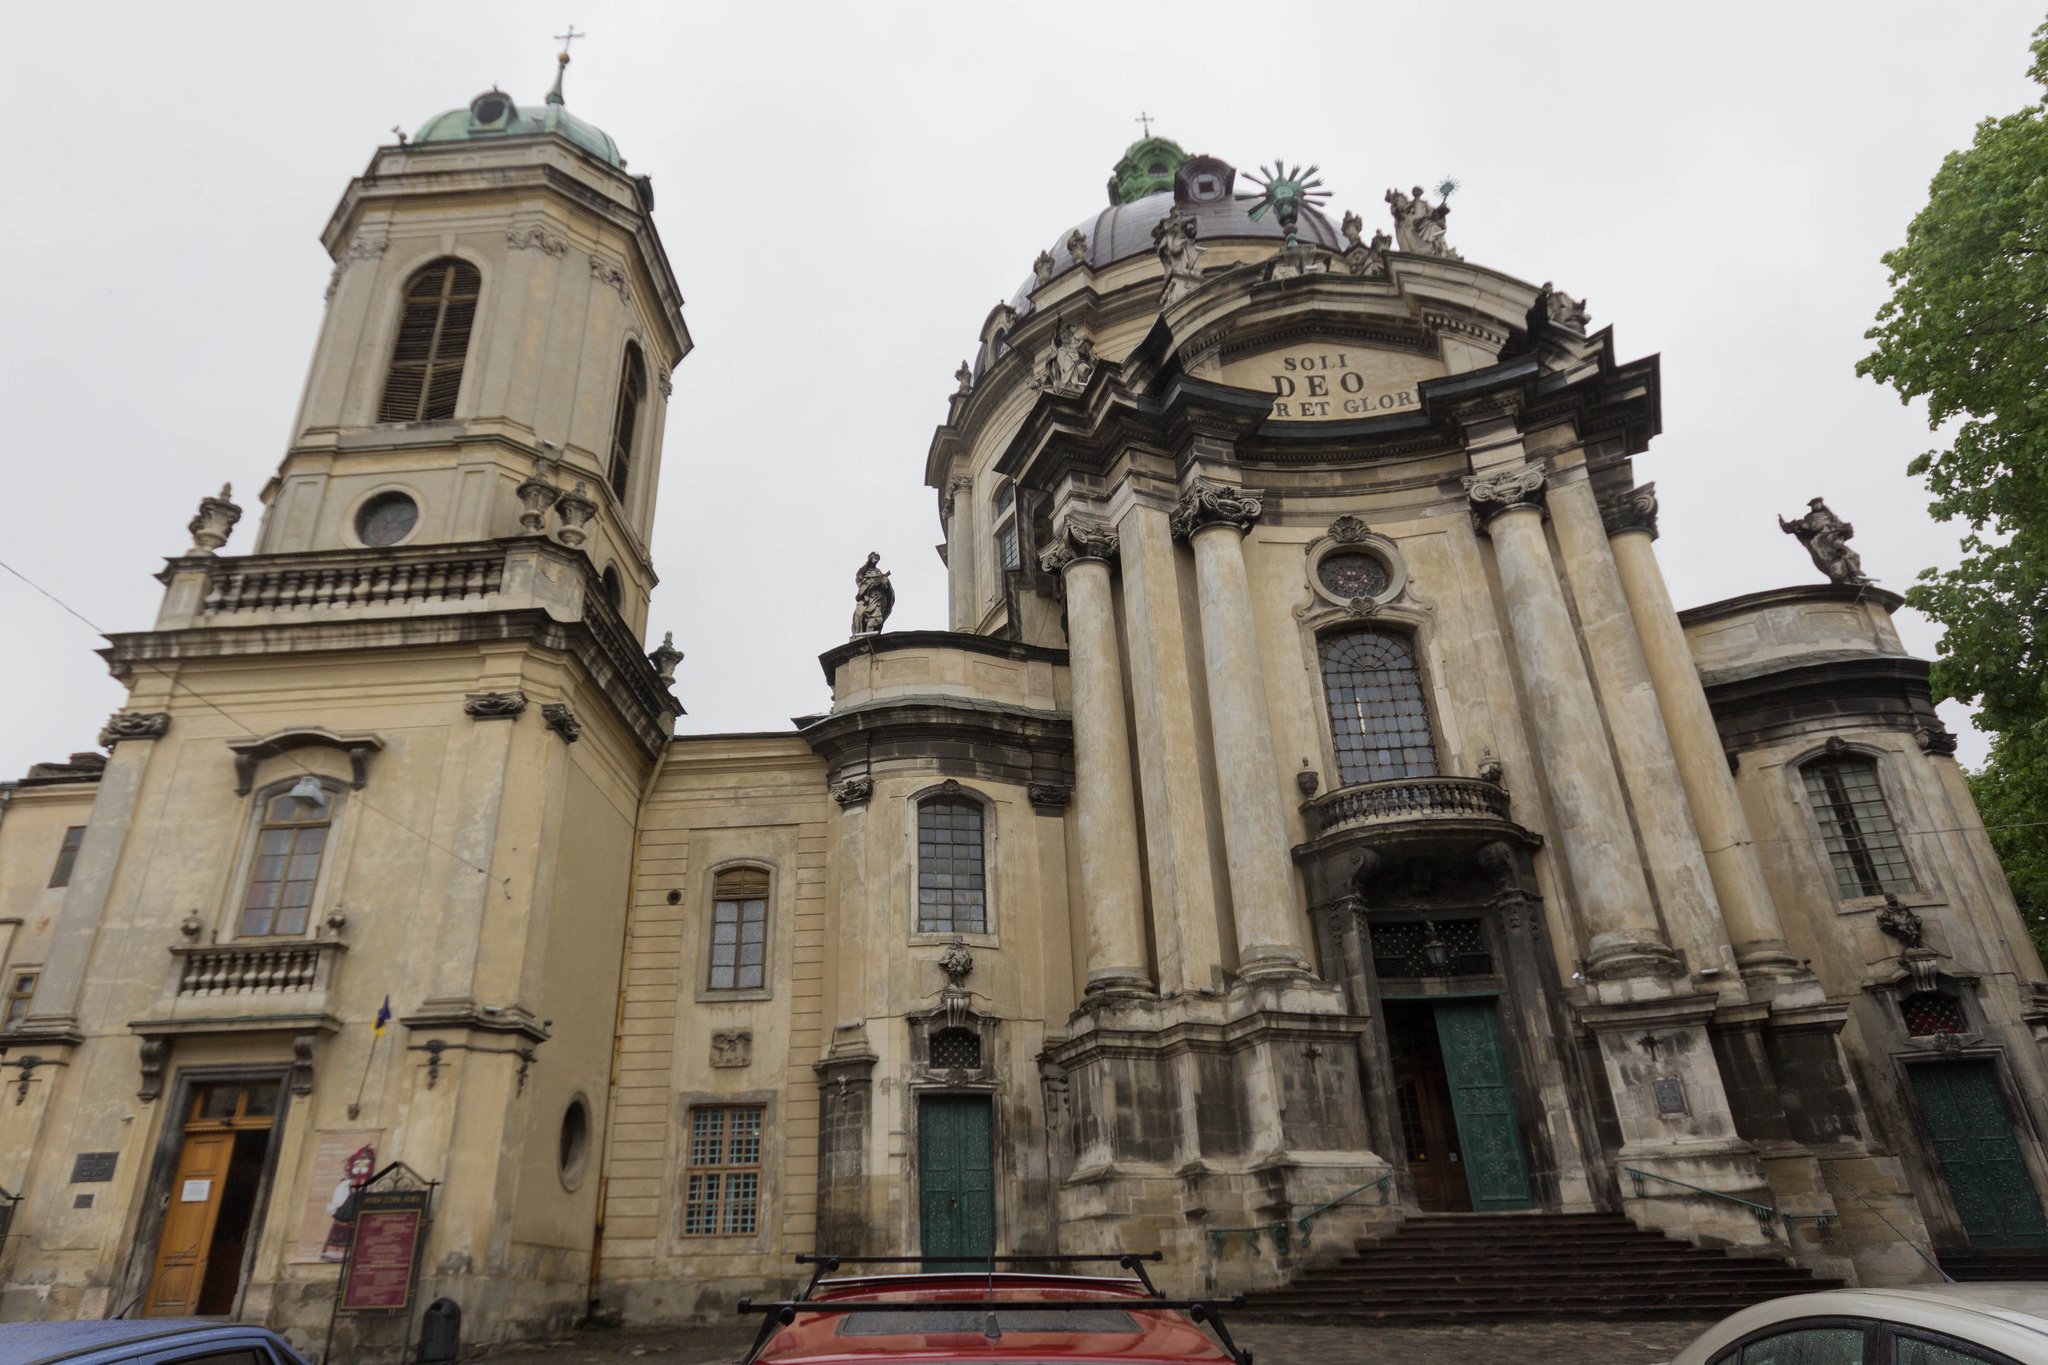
(567,38)
(1144,120)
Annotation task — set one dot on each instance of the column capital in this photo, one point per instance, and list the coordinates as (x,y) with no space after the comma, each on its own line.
(1075,542)
(1209,503)
(1495,495)
(1630,509)
(955,486)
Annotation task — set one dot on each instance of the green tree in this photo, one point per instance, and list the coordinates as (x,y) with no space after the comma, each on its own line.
(1966,328)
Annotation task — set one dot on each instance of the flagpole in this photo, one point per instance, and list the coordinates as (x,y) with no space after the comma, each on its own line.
(376,1036)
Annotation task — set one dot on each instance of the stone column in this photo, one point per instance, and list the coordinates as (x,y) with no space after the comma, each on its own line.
(1747,908)
(1671,842)
(961,603)
(1213,518)
(1105,803)
(1612,897)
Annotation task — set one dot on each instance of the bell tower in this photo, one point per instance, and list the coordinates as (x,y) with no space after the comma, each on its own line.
(501,325)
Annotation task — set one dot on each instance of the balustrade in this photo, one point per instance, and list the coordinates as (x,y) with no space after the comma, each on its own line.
(295,583)
(1405,799)
(249,969)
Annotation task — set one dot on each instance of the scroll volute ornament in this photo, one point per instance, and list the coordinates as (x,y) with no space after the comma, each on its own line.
(1077,540)
(1209,503)
(1493,495)
(1631,509)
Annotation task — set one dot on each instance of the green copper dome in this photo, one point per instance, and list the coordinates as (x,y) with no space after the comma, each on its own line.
(493,115)
(1147,167)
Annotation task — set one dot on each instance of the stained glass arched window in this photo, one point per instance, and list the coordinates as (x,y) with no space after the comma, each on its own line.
(1378,719)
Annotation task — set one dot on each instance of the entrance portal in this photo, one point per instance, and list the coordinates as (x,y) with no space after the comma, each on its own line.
(1456,1105)
(956,1176)
(1980,1159)
(211,1213)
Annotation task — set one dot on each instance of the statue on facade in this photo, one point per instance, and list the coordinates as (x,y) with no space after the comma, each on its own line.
(1077,247)
(1180,254)
(1041,269)
(1070,364)
(964,377)
(873,598)
(1418,227)
(1361,258)
(1563,309)
(1826,538)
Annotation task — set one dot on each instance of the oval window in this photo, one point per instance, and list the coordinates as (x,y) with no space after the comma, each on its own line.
(1351,574)
(574,1153)
(387,519)
(489,109)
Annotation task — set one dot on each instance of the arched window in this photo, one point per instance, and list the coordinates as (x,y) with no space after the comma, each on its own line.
(1008,555)
(739,930)
(952,891)
(1378,720)
(290,842)
(1856,826)
(433,339)
(626,418)
(614,587)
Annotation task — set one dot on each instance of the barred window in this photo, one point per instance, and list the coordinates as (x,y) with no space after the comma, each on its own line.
(723,1195)
(289,846)
(739,930)
(67,856)
(1378,719)
(956,1049)
(1856,826)
(952,897)
(433,341)
(1930,1012)
(626,417)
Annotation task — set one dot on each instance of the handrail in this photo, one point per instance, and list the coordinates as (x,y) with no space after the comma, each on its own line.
(1280,1232)
(1767,1215)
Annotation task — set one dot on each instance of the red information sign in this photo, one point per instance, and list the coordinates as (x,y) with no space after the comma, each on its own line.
(384,1255)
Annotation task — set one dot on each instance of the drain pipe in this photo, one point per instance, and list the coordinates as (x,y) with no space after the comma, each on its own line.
(611,1089)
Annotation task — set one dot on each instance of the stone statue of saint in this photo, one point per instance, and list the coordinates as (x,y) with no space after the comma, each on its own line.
(1174,236)
(1070,364)
(873,598)
(1360,258)
(1826,538)
(1418,227)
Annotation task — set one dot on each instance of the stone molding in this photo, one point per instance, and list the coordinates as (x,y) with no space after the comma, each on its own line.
(1050,797)
(494,705)
(854,791)
(1494,495)
(612,274)
(1349,530)
(358,745)
(361,249)
(1209,503)
(1630,509)
(559,718)
(534,236)
(134,725)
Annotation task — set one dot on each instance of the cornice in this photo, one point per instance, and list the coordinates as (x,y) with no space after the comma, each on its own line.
(889,642)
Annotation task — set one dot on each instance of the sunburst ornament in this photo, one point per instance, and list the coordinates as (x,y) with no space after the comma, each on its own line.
(1286,192)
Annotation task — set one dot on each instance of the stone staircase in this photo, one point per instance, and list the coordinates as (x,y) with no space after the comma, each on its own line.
(1997,1263)
(1479,1267)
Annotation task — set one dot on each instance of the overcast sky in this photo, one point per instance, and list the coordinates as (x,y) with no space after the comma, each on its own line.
(845,189)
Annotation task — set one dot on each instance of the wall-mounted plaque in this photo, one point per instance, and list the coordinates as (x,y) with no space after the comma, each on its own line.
(1670,1092)
(383,1257)
(93,1168)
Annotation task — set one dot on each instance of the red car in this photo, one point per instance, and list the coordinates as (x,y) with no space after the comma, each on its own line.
(988,1317)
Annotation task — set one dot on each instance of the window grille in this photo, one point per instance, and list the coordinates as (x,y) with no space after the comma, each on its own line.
(289,846)
(433,340)
(1399,948)
(1856,827)
(739,930)
(956,1049)
(1928,1013)
(1378,719)
(67,856)
(723,1195)
(626,417)
(952,897)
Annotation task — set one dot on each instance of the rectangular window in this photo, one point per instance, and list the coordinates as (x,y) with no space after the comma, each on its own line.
(952,895)
(21,990)
(67,856)
(287,864)
(1856,827)
(723,1194)
(739,931)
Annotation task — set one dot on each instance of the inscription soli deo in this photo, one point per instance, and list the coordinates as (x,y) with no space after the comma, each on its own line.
(1326,384)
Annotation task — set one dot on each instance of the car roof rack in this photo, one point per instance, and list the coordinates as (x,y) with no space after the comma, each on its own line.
(781,1312)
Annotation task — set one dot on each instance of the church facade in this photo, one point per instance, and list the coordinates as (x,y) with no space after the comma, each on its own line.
(1316,811)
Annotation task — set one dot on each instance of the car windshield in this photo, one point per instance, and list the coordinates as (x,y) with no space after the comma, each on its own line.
(974,1319)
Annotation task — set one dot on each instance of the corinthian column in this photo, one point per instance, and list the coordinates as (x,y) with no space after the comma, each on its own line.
(1105,821)
(1213,518)
(1613,899)
(1747,908)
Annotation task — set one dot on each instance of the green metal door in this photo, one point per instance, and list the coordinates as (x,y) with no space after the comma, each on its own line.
(1980,1158)
(956,1176)
(1484,1103)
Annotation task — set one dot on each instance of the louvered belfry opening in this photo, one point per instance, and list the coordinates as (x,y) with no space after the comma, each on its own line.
(433,339)
(632,388)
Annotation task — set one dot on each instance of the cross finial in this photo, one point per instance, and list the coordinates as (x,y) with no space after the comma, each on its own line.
(1144,120)
(567,38)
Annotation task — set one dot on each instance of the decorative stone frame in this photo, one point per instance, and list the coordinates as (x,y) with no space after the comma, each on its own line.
(1926,890)
(354,540)
(389,311)
(1349,535)
(990,935)
(705,993)
(327,887)
(1401,619)
(923,1076)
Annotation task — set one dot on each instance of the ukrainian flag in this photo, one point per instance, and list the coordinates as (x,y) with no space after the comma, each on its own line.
(383,1018)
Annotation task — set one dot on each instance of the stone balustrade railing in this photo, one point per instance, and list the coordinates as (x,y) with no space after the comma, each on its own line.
(373,578)
(255,968)
(1407,799)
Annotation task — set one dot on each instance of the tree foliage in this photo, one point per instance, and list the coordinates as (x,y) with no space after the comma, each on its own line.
(1966,328)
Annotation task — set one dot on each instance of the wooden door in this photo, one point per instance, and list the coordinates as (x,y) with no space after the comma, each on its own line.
(187,1237)
(1980,1158)
(1429,1136)
(1482,1098)
(956,1177)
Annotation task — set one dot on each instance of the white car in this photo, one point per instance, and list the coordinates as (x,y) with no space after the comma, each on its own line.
(1949,1324)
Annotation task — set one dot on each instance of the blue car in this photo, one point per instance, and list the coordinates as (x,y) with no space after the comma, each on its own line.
(143,1341)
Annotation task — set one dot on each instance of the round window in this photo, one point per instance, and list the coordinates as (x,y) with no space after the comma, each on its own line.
(1352,574)
(387,519)
(489,109)
(574,1154)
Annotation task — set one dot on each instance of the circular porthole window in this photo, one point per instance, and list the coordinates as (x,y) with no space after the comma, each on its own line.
(1348,575)
(574,1154)
(387,519)
(489,109)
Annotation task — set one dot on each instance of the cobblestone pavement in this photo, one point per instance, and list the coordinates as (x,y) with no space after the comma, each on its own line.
(1555,1341)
